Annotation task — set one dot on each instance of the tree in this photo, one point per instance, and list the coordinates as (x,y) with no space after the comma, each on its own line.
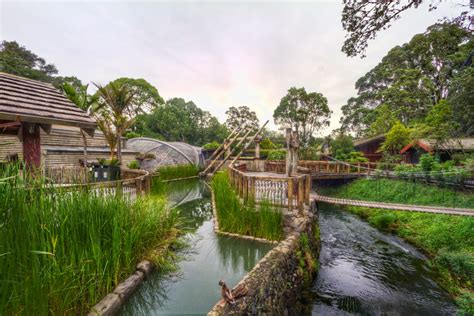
(341,146)
(237,117)
(115,102)
(84,101)
(397,138)
(306,113)
(146,99)
(410,79)
(362,20)
(461,98)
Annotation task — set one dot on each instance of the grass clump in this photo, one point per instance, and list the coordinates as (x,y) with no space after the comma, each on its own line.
(403,192)
(61,252)
(448,240)
(178,171)
(245,218)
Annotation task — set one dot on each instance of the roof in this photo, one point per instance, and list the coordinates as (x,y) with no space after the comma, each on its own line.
(27,100)
(363,141)
(451,144)
(74,149)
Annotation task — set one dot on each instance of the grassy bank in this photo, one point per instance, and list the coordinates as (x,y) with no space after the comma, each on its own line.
(244,218)
(61,252)
(401,191)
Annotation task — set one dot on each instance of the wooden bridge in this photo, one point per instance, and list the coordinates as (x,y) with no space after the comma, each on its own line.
(394,206)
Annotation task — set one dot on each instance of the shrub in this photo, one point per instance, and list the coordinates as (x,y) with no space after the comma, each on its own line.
(131,135)
(134,165)
(211,146)
(277,154)
(383,220)
(266,143)
(460,263)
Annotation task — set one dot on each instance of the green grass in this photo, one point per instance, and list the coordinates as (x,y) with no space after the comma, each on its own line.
(178,171)
(246,218)
(61,252)
(447,239)
(401,191)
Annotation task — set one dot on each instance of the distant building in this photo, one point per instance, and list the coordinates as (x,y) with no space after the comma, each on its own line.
(370,147)
(414,150)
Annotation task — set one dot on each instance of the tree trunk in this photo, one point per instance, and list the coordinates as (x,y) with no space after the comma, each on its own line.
(119,148)
(84,138)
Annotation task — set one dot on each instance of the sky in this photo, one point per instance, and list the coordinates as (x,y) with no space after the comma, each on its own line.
(216,53)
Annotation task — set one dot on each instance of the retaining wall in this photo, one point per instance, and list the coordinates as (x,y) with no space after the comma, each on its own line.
(276,284)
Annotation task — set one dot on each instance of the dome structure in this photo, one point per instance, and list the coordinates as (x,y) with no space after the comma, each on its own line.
(166,153)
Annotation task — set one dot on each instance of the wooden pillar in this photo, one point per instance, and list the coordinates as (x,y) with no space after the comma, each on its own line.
(289,159)
(290,193)
(257,147)
(301,192)
(358,167)
(246,187)
(308,187)
(31,139)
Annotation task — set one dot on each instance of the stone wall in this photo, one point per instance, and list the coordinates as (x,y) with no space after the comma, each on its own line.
(276,284)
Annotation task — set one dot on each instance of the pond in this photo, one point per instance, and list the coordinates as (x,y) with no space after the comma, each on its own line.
(194,288)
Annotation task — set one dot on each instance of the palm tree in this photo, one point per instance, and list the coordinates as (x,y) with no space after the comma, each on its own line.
(84,101)
(116,101)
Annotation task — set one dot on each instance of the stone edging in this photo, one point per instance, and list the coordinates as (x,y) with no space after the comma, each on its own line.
(112,302)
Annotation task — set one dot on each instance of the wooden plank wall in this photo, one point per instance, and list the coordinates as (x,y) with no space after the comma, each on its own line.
(72,158)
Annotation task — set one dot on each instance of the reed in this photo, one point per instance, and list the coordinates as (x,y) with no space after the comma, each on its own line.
(245,218)
(62,251)
(178,171)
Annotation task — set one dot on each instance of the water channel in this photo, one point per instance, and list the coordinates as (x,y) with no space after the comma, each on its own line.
(362,270)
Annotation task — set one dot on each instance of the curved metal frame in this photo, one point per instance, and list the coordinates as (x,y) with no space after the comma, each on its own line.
(166,144)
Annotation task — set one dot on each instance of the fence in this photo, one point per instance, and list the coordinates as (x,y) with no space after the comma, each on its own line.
(279,190)
(326,167)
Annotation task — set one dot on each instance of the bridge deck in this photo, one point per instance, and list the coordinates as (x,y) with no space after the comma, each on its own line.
(394,206)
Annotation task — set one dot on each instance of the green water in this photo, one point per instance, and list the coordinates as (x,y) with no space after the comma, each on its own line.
(210,257)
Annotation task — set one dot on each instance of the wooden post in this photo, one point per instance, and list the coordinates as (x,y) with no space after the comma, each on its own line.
(368,169)
(300,194)
(30,134)
(257,147)
(358,167)
(290,193)
(308,188)
(289,159)
(252,188)
(246,187)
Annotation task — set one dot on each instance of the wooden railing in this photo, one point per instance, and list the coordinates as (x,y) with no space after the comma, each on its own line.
(326,167)
(287,192)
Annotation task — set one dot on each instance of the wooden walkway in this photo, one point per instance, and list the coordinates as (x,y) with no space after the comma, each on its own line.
(394,206)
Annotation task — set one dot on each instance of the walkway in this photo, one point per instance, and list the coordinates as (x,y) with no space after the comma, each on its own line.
(394,206)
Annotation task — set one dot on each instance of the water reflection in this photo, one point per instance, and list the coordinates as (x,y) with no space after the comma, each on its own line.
(194,290)
(366,272)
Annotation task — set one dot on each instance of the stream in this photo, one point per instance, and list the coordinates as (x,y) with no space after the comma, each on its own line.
(362,271)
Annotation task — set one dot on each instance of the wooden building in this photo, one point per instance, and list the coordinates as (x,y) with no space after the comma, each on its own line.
(40,125)
(414,150)
(370,147)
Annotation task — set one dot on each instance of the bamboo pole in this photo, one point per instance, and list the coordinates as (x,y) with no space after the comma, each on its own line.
(249,142)
(230,154)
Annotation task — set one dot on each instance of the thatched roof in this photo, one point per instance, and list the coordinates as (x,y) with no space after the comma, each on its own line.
(363,141)
(33,101)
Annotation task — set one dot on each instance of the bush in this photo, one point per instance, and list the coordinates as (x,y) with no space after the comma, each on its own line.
(131,135)
(357,156)
(383,221)
(211,146)
(266,143)
(134,165)
(277,154)
(460,263)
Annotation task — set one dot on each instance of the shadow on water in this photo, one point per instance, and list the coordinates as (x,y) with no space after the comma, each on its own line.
(366,272)
(194,288)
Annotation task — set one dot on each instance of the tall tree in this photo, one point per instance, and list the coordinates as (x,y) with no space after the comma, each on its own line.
(410,79)
(147,98)
(238,116)
(362,20)
(116,101)
(306,113)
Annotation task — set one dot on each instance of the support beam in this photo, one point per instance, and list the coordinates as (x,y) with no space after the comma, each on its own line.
(31,144)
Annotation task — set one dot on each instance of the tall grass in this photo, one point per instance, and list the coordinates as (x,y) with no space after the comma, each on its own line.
(404,192)
(244,218)
(61,252)
(178,171)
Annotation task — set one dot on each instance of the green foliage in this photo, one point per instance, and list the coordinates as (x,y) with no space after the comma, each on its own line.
(178,171)
(146,96)
(211,146)
(341,146)
(238,116)
(411,79)
(461,97)
(427,162)
(134,165)
(304,112)
(245,218)
(277,154)
(397,138)
(130,135)
(63,251)
(356,156)
(267,143)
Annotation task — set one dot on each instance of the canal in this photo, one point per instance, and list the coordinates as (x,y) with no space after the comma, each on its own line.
(363,271)
(194,289)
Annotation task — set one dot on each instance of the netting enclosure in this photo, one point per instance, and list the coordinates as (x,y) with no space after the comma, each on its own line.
(166,153)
